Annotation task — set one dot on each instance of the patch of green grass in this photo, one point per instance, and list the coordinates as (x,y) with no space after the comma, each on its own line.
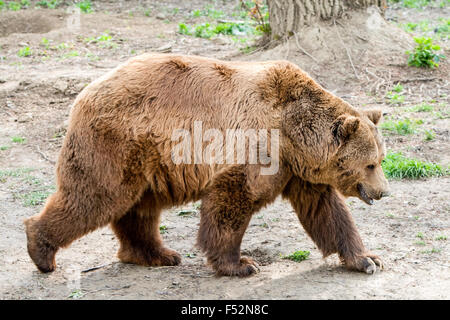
(398,88)
(424,54)
(105,40)
(401,127)
(71,54)
(423,107)
(24,52)
(162,229)
(37,197)
(21,172)
(298,256)
(395,98)
(429,135)
(441,238)
(17,139)
(85,6)
(420,243)
(76,294)
(14,6)
(50,4)
(207,30)
(420,235)
(397,166)
(419,4)
(390,215)
(434,250)
(3,148)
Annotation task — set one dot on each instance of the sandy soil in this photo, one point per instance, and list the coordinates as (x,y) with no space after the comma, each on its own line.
(409,230)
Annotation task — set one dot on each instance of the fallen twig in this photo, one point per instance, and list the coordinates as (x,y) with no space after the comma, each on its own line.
(95,268)
(346,50)
(38,150)
(303,50)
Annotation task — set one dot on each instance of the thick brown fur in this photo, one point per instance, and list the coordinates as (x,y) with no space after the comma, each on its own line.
(115,166)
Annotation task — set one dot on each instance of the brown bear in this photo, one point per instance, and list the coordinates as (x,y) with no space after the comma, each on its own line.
(116,165)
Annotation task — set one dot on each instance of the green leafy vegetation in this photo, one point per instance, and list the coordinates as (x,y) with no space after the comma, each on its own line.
(419,4)
(36,197)
(17,139)
(424,54)
(24,52)
(298,256)
(397,166)
(207,30)
(50,4)
(162,229)
(395,98)
(429,135)
(85,6)
(105,40)
(401,127)
(423,107)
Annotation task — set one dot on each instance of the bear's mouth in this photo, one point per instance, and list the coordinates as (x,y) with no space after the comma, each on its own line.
(364,195)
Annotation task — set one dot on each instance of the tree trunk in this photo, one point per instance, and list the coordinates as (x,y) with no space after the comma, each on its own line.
(288,16)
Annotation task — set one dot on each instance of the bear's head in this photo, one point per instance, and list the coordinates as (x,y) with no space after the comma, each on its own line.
(344,150)
(355,168)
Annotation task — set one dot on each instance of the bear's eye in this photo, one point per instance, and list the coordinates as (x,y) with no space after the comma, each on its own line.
(371,167)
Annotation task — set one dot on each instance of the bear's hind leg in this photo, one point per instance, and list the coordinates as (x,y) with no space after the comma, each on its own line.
(63,220)
(139,236)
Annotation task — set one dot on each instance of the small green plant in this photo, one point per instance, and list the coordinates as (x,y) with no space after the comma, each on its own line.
(395,98)
(24,52)
(398,88)
(420,243)
(76,294)
(429,135)
(433,250)
(184,29)
(441,238)
(85,6)
(190,255)
(298,256)
(162,229)
(420,235)
(397,166)
(17,139)
(424,53)
(45,42)
(3,148)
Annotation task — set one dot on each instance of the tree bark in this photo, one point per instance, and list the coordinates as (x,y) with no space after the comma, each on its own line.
(288,16)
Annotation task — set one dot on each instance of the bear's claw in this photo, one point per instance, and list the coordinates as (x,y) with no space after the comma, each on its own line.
(367,263)
(246,267)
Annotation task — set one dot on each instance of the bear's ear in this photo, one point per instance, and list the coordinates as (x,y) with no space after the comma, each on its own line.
(344,127)
(373,115)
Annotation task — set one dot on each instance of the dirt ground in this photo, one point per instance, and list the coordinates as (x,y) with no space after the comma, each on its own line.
(409,230)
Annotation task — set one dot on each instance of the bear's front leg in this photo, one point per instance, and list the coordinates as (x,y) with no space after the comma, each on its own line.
(227,207)
(326,218)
